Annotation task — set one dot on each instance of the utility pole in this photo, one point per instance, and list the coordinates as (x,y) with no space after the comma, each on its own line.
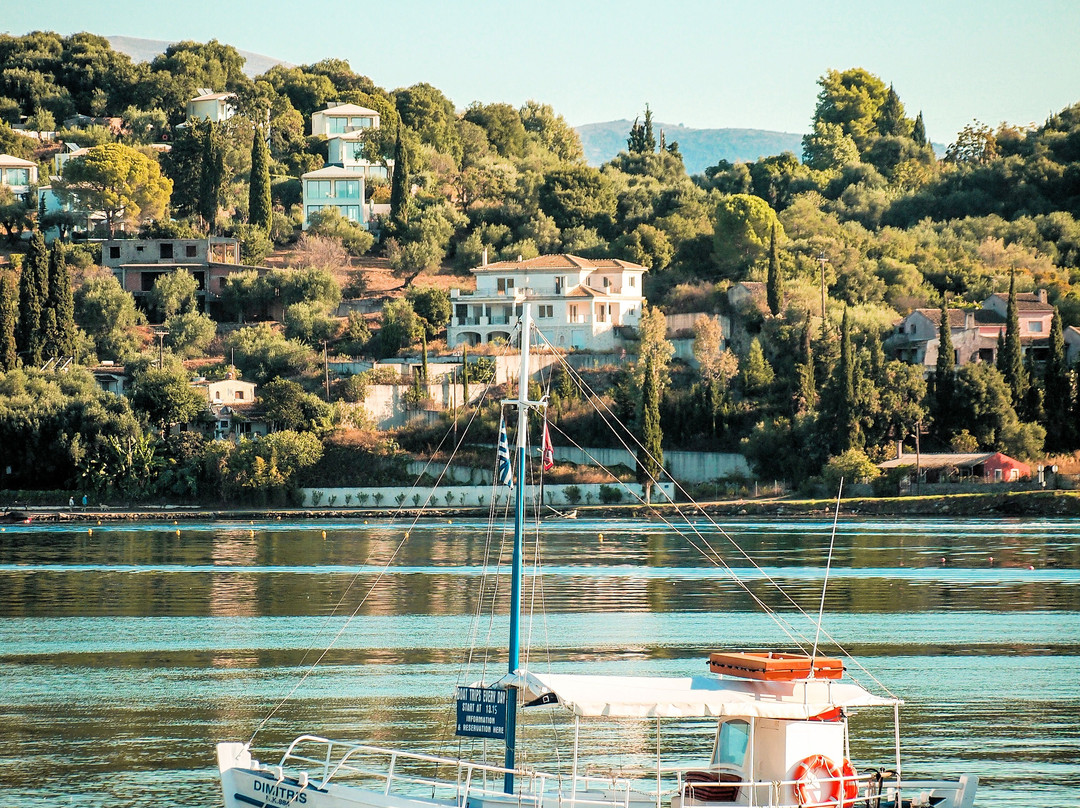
(161,348)
(822,260)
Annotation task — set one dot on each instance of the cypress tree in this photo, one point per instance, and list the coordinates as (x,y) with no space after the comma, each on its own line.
(918,133)
(1011,360)
(806,393)
(846,388)
(891,117)
(212,175)
(260,207)
(650,139)
(775,285)
(9,316)
(59,314)
(635,143)
(944,380)
(1058,388)
(650,453)
(399,188)
(33,290)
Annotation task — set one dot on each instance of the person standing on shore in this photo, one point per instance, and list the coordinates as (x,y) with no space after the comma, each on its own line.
(71,503)
(84,500)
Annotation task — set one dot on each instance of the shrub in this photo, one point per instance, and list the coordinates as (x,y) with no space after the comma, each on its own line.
(572,494)
(609,494)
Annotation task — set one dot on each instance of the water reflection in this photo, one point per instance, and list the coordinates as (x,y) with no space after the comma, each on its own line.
(127,652)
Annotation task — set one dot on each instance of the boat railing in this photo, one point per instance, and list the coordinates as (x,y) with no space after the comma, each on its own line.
(479,785)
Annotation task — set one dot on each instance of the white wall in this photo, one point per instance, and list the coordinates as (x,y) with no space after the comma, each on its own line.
(471,496)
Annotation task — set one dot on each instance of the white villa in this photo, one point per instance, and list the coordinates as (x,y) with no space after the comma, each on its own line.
(342,182)
(576,302)
(211,106)
(18,174)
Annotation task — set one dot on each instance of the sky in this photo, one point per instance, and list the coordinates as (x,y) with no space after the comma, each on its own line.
(752,64)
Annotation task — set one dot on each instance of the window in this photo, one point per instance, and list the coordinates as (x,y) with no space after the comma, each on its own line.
(1035,326)
(607,282)
(631,282)
(732,743)
(574,314)
(190,250)
(166,250)
(18,176)
(114,252)
(239,395)
(360,123)
(337,125)
(313,209)
(560,284)
(505,285)
(318,189)
(351,212)
(347,189)
(545,312)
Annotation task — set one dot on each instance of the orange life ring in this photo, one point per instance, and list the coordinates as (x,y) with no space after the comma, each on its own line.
(851,785)
(817,781)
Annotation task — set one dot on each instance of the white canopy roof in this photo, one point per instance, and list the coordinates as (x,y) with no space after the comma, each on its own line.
(705,696)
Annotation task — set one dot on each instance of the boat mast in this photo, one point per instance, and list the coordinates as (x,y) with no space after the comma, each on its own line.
(519,522)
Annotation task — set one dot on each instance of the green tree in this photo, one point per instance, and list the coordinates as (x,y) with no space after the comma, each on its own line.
(173,293)
(551,131)
(975,144)
(291,407)
(756,375)
(918,132)
(61,336)
(502,125)
(841,412)
(260,207)
(430,114)
(432,306)
(944,372)
(33,297)
(1057,384)
(166,396)
(775,278)
(117,180)
(650,455)
(9,321)
(400,327)
(108,314)
(577,196)
(891,120)
(190,333)
(853,99)
(851,466)
(1011,359)
(263,354)
(399,187)
(741,233)
(212,174)
(983,403)
(805,395)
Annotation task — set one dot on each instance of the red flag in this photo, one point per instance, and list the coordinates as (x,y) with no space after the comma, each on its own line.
(549,452)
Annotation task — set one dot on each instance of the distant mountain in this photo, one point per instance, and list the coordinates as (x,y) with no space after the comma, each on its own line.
(700,148)
(145,50)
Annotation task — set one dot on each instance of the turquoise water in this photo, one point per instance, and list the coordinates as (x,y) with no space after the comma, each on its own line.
(128,651)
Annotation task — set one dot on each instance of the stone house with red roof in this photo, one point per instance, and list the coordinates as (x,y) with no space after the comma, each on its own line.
(578,303)
(975,332)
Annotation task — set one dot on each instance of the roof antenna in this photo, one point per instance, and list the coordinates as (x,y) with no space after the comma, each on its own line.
(825,583)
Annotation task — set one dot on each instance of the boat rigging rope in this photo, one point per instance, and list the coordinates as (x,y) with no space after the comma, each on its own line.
(378,577)
(625,438)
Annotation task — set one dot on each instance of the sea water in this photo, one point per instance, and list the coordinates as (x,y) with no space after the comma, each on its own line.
(129,650)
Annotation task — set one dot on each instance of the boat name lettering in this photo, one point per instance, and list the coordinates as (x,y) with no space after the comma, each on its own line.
(276,794)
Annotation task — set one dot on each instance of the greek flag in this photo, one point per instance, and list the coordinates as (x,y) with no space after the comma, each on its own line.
(504,474)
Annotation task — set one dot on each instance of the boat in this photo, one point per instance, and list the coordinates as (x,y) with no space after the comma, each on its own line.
(774,731)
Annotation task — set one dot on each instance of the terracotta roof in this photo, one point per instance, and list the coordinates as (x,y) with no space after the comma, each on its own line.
(213,97)
(938,461)
(1025,301)
(958,317)
(560,261)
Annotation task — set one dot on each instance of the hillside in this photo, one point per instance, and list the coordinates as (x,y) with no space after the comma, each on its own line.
(144,50)
(700,148)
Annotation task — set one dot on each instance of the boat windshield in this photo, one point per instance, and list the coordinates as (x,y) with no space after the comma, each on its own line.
(732,743)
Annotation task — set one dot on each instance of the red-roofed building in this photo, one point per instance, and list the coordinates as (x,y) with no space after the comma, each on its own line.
(989,467)
(577,302)
(974,332)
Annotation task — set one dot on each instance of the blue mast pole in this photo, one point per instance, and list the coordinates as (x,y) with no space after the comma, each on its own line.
(519,522)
